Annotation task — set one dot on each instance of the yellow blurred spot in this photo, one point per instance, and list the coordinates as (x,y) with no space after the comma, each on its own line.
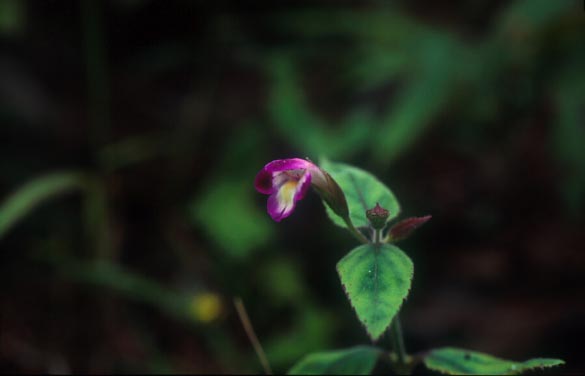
(206,307)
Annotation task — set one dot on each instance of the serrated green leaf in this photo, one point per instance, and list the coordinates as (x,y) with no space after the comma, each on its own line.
(454,361)
(376,279)
(33,193)
(362,191)
(359,360)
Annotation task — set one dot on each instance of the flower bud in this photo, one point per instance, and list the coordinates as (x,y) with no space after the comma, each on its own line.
(332,194)
(377,216)
(406,227)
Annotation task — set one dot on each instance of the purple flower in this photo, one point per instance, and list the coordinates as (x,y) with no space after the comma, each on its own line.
(287,181)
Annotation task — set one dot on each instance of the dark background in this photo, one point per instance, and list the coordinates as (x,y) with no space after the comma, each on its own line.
(131,132)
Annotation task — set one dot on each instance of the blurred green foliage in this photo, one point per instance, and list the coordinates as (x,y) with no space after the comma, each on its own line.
(228,193)
(368,85)
(33,193)
(12,17)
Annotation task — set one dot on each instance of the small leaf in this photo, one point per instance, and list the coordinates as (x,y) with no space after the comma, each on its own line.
(406,227)
(362,192)
(376,279)
(359,360)
(33,193)
(455,361)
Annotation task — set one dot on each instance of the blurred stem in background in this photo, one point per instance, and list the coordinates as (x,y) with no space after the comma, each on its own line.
(96,201)
(97,73)
(96,205)
(247,324)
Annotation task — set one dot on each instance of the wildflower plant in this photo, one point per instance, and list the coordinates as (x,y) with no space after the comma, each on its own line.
(376,275)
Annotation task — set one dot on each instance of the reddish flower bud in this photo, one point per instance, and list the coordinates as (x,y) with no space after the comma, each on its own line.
(377,216)
(406,227)
(333,195)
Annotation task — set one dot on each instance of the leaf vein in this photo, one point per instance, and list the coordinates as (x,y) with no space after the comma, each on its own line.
(359,192)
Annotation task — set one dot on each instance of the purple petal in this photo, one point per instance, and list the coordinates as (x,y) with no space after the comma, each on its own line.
(263,182)
(303,186)
(288,164)
(282,202)
(278,208)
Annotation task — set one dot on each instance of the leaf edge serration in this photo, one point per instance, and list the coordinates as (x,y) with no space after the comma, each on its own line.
(373,337)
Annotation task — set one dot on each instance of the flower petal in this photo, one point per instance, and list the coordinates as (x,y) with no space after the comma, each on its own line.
(282,203)
(279,208)
(303,186)
(263,182)
(286,181)
(288,164)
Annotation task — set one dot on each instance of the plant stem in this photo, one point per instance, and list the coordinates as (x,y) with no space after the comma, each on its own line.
(252,335)
(355,232)
(97,73)
(398,343)
(377,236)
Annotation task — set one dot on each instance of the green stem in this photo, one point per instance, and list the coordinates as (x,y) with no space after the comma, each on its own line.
(398,344)
(377,236)
(355,232)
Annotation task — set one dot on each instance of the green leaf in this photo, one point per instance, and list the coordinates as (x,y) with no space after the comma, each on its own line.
(229,215)
(454,361)
(385,27)
(419,102)
(293,116)
(33,193)
(312,330)
(114,277)
(362,191)
(376,279)
(377,66)
(131,150)
(533,15)
(359,360)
